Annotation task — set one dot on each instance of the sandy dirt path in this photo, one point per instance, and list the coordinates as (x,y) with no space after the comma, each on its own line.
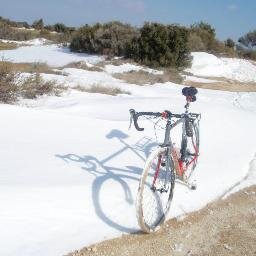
(224,227)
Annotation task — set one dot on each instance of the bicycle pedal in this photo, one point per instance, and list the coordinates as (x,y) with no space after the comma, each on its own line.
(163,164)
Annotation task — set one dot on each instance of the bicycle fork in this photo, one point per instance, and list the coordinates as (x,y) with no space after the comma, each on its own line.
(160,164)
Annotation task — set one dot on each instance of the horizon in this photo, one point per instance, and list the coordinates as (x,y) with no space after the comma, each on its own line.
(230,18)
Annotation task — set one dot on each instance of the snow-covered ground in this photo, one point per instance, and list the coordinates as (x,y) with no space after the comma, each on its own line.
(53,55)
(205,64)
(127,67)
(70,167)
(36,41)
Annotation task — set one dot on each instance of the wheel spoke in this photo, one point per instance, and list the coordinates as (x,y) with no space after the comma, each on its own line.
(155,192)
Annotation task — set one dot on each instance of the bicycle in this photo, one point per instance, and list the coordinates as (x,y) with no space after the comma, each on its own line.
(167,163)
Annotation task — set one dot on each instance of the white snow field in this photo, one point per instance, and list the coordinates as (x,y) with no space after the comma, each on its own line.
(53,55)
(36,41)
(70,167)
(205,64)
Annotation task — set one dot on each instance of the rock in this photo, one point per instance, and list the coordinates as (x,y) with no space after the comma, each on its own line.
(226,246)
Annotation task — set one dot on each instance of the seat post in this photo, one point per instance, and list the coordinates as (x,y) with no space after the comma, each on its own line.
(187,105)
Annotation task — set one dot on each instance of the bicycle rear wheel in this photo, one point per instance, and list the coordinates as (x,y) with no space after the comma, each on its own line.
(155,190)
(190,151)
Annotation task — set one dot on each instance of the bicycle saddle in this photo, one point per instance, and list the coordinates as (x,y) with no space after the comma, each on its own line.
(190,92)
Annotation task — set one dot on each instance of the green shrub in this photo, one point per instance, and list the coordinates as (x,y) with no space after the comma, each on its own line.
(154,44)
(108,39)
(160,45)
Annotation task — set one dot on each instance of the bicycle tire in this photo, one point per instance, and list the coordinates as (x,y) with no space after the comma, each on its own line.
(190,148)
(152,206)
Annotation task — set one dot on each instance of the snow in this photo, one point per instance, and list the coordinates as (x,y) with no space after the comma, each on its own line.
(127,67)
(70,167)
(23,28)
(199,79)
(53,55)
(35,42)
(208,65)
(245,101)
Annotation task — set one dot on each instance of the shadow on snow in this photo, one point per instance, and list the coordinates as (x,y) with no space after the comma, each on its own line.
(103,172)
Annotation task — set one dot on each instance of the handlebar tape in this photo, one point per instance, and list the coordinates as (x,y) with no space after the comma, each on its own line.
(134,116)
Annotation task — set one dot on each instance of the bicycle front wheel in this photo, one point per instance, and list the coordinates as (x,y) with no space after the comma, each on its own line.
(155,190)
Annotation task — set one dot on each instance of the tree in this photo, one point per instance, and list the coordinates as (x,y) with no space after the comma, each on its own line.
(60,28)
(38,24)
(230,43)
(248,40)
(206,32)
(161,45)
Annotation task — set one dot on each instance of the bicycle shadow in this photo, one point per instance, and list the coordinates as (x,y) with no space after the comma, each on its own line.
(103,172)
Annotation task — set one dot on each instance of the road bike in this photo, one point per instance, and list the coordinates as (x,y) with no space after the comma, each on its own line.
(167,163)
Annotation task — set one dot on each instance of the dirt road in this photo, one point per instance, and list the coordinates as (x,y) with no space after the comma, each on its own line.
(225,227)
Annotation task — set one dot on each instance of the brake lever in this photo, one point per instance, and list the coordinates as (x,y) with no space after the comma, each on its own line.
(132,112)
(130,125)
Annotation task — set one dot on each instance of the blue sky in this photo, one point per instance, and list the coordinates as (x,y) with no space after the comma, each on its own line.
(231,18)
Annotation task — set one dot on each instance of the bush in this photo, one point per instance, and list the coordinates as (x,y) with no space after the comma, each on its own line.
(249,54)
(230,43)
(35,86)
(154,44)
(248,40)
(9,33)
(108,39)
(8,83)
(38,24)
(220,48)
(160,45)
(195,43)
(205,32)
(202,38)
(246,53)
(12,86)
(247,46)
(19,24)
